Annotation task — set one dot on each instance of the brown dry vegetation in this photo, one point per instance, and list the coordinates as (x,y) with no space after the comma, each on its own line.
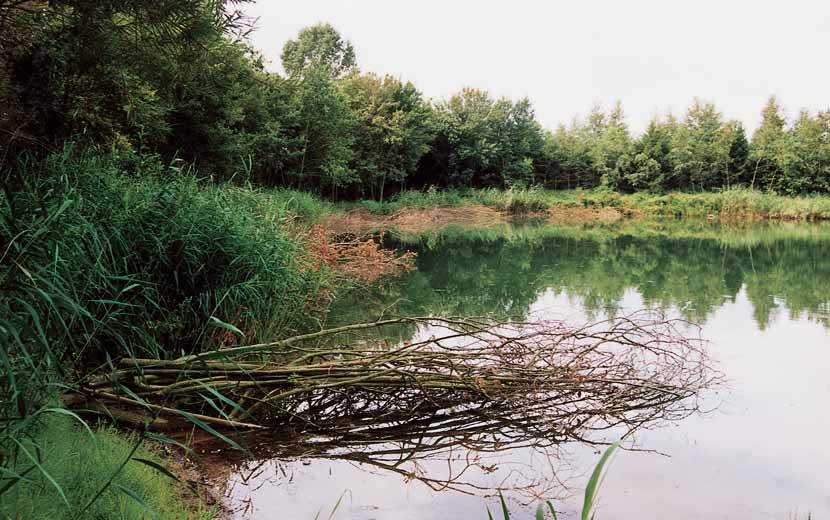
(356,257)
(420,220)
(580,215)
(416,220)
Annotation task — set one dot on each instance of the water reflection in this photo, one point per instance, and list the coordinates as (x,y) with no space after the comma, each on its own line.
(694,268)
(763,293)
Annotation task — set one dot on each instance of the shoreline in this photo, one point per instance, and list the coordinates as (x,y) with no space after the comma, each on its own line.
(422,212)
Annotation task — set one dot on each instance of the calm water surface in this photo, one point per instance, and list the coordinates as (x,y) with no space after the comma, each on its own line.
(762,295)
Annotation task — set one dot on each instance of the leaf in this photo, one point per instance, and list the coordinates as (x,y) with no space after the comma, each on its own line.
(201,424)
(551,509)
(230,402)
(14,479)
(167,440)
(227,326)
(158,467)
(132,494)
(337,505)
(596,480)
(504,509)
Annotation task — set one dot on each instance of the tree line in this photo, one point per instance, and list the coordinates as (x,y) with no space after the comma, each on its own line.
(176,79)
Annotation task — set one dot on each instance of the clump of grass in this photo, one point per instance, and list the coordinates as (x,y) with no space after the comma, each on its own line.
(518,201)
(430,198)
(111,263)
(76,464)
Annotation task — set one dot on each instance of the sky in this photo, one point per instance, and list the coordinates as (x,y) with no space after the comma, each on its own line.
(653,56)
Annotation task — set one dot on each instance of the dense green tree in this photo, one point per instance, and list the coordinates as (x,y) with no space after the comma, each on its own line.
(81,65)
(487,142)
(176,79)
(700,149)
(805,158)
(652,165)
(738,152)
(568,159)
(768,143)
(324,126)
(393,129)
(318,46)
(610,145)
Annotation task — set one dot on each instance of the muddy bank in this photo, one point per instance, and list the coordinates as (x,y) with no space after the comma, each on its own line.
(580,215)
(420,220)
(415,220)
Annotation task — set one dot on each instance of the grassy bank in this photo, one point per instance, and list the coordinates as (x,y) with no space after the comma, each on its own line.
(728,204)
(106,257)
(73,472)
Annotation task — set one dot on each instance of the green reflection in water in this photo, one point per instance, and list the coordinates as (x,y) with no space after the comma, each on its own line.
(693,267)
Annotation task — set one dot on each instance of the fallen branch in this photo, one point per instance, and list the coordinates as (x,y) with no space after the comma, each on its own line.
(516,381)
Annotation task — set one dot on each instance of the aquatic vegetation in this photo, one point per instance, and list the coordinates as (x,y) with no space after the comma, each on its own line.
(99,264)
(590,495)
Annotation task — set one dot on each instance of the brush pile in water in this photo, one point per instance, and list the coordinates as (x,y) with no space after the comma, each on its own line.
(520,380)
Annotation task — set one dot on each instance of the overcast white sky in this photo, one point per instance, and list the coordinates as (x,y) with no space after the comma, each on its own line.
(652,55)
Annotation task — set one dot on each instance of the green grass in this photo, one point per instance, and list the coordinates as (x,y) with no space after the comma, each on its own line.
(733,203)
(532,233)
(103,259)
(76,464)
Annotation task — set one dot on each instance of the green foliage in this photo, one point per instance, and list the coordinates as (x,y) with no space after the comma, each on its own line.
(483,142)
(767,146)
(106,70)
(318,47)
(324,127)
(729,204)
(175,79)
(393,130)
(75,464)
(99,264)
(118,255)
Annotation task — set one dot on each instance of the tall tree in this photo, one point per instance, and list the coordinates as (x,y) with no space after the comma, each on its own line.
(318,47)
(652,164)
(700,154)
(87,62)
(767,146)
(324,126)
(392,132)
(735,136)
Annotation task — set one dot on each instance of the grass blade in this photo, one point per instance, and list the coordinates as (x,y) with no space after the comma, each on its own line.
(504,509)
(158,467)
(596,480)
(138,499)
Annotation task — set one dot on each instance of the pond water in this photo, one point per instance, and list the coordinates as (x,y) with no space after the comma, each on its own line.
(762,296)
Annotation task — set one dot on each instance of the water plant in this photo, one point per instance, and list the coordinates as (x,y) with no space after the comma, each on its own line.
(590,495)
